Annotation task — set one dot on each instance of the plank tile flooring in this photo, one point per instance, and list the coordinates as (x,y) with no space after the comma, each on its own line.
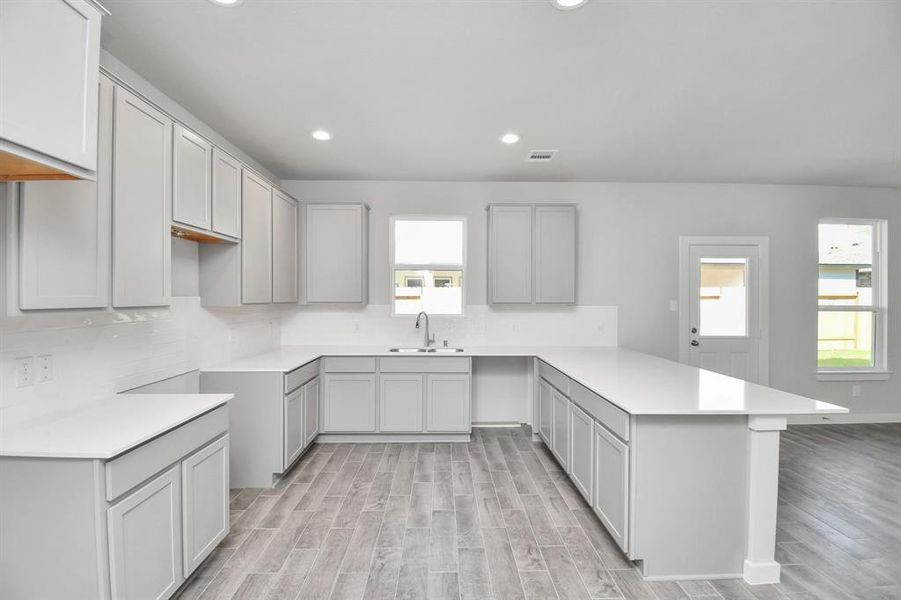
(496,518)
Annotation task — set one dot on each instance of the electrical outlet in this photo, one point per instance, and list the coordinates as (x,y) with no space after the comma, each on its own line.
(45,368)
(24,371)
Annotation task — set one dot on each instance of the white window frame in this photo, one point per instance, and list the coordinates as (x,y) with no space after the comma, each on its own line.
(392,266)
(879,308)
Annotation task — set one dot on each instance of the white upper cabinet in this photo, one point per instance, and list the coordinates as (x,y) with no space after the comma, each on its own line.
(510,254)
(142,201)
(64,232)
(555,254)
(49,58)
(256,243)
(532,254)
(191,179)
(284,247)
(226,194)
(336,257)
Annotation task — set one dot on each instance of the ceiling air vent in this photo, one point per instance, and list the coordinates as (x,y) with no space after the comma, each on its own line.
(541,156)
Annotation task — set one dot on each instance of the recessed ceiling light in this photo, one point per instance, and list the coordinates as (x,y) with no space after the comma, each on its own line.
(321,135)
(510,138)
(228,3)
(568,4)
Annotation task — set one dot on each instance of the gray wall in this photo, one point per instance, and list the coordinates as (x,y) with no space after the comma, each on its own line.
(628,254)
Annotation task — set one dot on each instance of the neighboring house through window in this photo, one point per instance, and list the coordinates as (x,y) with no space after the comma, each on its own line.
(427,256)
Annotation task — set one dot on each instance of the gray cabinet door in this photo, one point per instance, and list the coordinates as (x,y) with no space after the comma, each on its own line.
(204,502)
(560,437)
(400,402)
(335,259)
(555,254)
(581,455)
(510,254)
(545,411)
(611,484)
(448,402)
(48,78)
(293,425)
(256,241)
(348,402)
(64,231)
(142,203)
(145,549)
(284,248)
(311,398)
(226,191)
(192,164)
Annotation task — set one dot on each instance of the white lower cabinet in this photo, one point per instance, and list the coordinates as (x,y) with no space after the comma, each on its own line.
(448,402)
(611,489)
(560,435)
(310,411)
(293,423)
(581,457)
(400,402)
(545,411)
(204,502)
(145,540)
(349,402)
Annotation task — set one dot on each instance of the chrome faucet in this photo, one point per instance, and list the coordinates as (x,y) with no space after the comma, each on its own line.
(429,339)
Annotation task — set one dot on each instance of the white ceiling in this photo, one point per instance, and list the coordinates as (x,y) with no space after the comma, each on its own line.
(702,91)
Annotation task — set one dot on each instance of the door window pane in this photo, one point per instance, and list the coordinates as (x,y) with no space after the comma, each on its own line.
(724,297)
(845,339)
(436,292)
(845,264)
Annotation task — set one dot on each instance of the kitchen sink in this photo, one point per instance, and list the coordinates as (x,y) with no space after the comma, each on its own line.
(406,350)
(445,350)
(423,350)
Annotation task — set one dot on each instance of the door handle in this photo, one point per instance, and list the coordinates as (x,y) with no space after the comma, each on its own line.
(695,343)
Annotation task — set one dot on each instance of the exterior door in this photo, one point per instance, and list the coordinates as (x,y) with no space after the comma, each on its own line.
(725,331)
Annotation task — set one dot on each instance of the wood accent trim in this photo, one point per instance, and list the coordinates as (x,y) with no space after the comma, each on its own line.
(17,168)
(197,236)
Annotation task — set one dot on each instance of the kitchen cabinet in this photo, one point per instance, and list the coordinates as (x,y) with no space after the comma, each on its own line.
(560,435)
(192,178)
(532,254)
(510,254)
(581,455)
(256,241)
(336,253)
(205,497)
(311,400)
(293,425)
(49,65)
(284,247)
(611,488)
(349,402)
(145,540)
(142,202)
(555,254)
(64,231)
(226,191)
(448,402)
(400,402)
(545,411)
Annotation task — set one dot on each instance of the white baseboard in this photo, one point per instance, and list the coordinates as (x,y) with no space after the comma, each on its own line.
(496,424)
(393,438)
(850,418)
(758,573)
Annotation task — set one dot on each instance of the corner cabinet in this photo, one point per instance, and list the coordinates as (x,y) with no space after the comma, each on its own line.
(49,61)
(349,402)
(336,253)
(532,254)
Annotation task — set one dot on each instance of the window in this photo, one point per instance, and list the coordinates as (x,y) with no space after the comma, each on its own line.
(851,297)
(427,264)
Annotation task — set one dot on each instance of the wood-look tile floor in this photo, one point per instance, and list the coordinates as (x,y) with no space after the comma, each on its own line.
(496,518)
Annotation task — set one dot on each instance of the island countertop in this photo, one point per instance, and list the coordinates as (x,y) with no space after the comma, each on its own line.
(108,427)
(638,383)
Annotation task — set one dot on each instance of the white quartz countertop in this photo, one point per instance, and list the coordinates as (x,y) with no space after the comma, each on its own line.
(109,427)
(638,383)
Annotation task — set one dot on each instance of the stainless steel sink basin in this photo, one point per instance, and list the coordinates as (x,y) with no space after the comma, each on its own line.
(406,350)
(422,350)
(445,350)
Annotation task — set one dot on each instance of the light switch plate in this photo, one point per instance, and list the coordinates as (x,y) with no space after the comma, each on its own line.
(24,371)
(45,368)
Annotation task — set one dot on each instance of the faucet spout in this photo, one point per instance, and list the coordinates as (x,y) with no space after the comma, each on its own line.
(427,338)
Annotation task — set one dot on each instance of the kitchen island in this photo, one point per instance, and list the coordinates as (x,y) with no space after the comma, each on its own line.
(670,457)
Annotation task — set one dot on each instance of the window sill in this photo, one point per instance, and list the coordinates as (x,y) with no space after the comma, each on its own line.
(853,375)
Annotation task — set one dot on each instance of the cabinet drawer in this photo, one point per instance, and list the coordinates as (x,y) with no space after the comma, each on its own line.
(607,414)
(140,464)
(424,364)
(300,376)
(554,377)
(348,364)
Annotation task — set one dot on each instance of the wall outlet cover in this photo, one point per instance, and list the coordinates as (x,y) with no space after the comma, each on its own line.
(24,371)
(45,368)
